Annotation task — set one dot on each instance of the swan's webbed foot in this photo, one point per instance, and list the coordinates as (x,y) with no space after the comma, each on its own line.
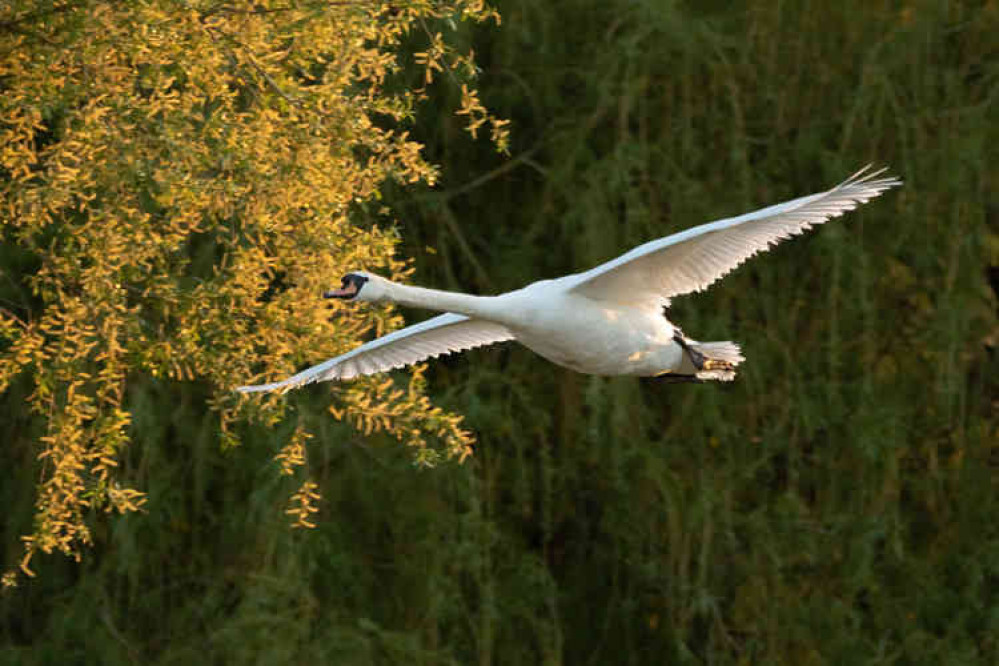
(708,367)
(696,357)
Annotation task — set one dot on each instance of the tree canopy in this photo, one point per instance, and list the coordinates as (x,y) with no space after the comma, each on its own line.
(183,178)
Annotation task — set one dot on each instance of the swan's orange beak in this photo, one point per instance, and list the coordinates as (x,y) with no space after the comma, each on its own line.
(350,285)
(347,291)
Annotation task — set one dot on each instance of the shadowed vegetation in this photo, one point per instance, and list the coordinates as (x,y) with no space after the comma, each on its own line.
(836,504)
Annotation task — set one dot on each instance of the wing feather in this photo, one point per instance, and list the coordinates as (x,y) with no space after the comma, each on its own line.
(694,259)
(441,335)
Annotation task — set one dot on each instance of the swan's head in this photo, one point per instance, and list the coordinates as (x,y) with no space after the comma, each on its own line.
(358,286)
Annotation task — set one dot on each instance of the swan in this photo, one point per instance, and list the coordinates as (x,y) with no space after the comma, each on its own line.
(608,320)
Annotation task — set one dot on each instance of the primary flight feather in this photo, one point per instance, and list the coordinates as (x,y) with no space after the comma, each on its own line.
(605,321)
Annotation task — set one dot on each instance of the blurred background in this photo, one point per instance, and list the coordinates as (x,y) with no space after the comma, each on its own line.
(836,504)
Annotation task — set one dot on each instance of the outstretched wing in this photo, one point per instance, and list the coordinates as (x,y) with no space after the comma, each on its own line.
(440,335)
(693,259)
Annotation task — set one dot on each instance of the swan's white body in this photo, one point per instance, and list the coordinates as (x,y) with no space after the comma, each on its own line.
(605,321)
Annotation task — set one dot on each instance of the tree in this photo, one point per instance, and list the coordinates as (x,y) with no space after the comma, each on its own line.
(184,176)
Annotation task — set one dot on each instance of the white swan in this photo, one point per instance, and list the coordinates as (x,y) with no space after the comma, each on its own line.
(606,321)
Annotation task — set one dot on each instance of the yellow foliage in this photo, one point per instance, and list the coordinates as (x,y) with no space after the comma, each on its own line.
(303,505)
(134,132)
(292,455)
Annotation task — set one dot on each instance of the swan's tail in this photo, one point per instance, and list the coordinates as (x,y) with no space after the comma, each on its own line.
(718,360)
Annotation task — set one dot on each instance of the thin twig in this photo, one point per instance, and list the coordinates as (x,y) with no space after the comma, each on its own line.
(509,165)
(466,248)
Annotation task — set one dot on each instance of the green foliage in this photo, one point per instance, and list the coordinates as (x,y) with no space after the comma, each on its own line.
(836,504)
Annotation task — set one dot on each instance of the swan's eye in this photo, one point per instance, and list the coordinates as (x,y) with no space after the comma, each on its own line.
(350,286)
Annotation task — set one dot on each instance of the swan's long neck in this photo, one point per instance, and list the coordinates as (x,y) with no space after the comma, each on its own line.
(483,307)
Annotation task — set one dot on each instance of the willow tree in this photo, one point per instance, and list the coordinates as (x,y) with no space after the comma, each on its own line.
(137,135)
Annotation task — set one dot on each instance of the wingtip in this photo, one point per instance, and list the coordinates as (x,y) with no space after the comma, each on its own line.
(863,175)
(869,179)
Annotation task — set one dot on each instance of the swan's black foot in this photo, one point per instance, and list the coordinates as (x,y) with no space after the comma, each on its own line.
(696,357)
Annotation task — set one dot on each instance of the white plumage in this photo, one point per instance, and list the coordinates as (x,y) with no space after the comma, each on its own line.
(607,320)
(444,334)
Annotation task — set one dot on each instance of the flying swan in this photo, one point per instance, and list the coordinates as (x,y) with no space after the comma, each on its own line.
(608,320)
